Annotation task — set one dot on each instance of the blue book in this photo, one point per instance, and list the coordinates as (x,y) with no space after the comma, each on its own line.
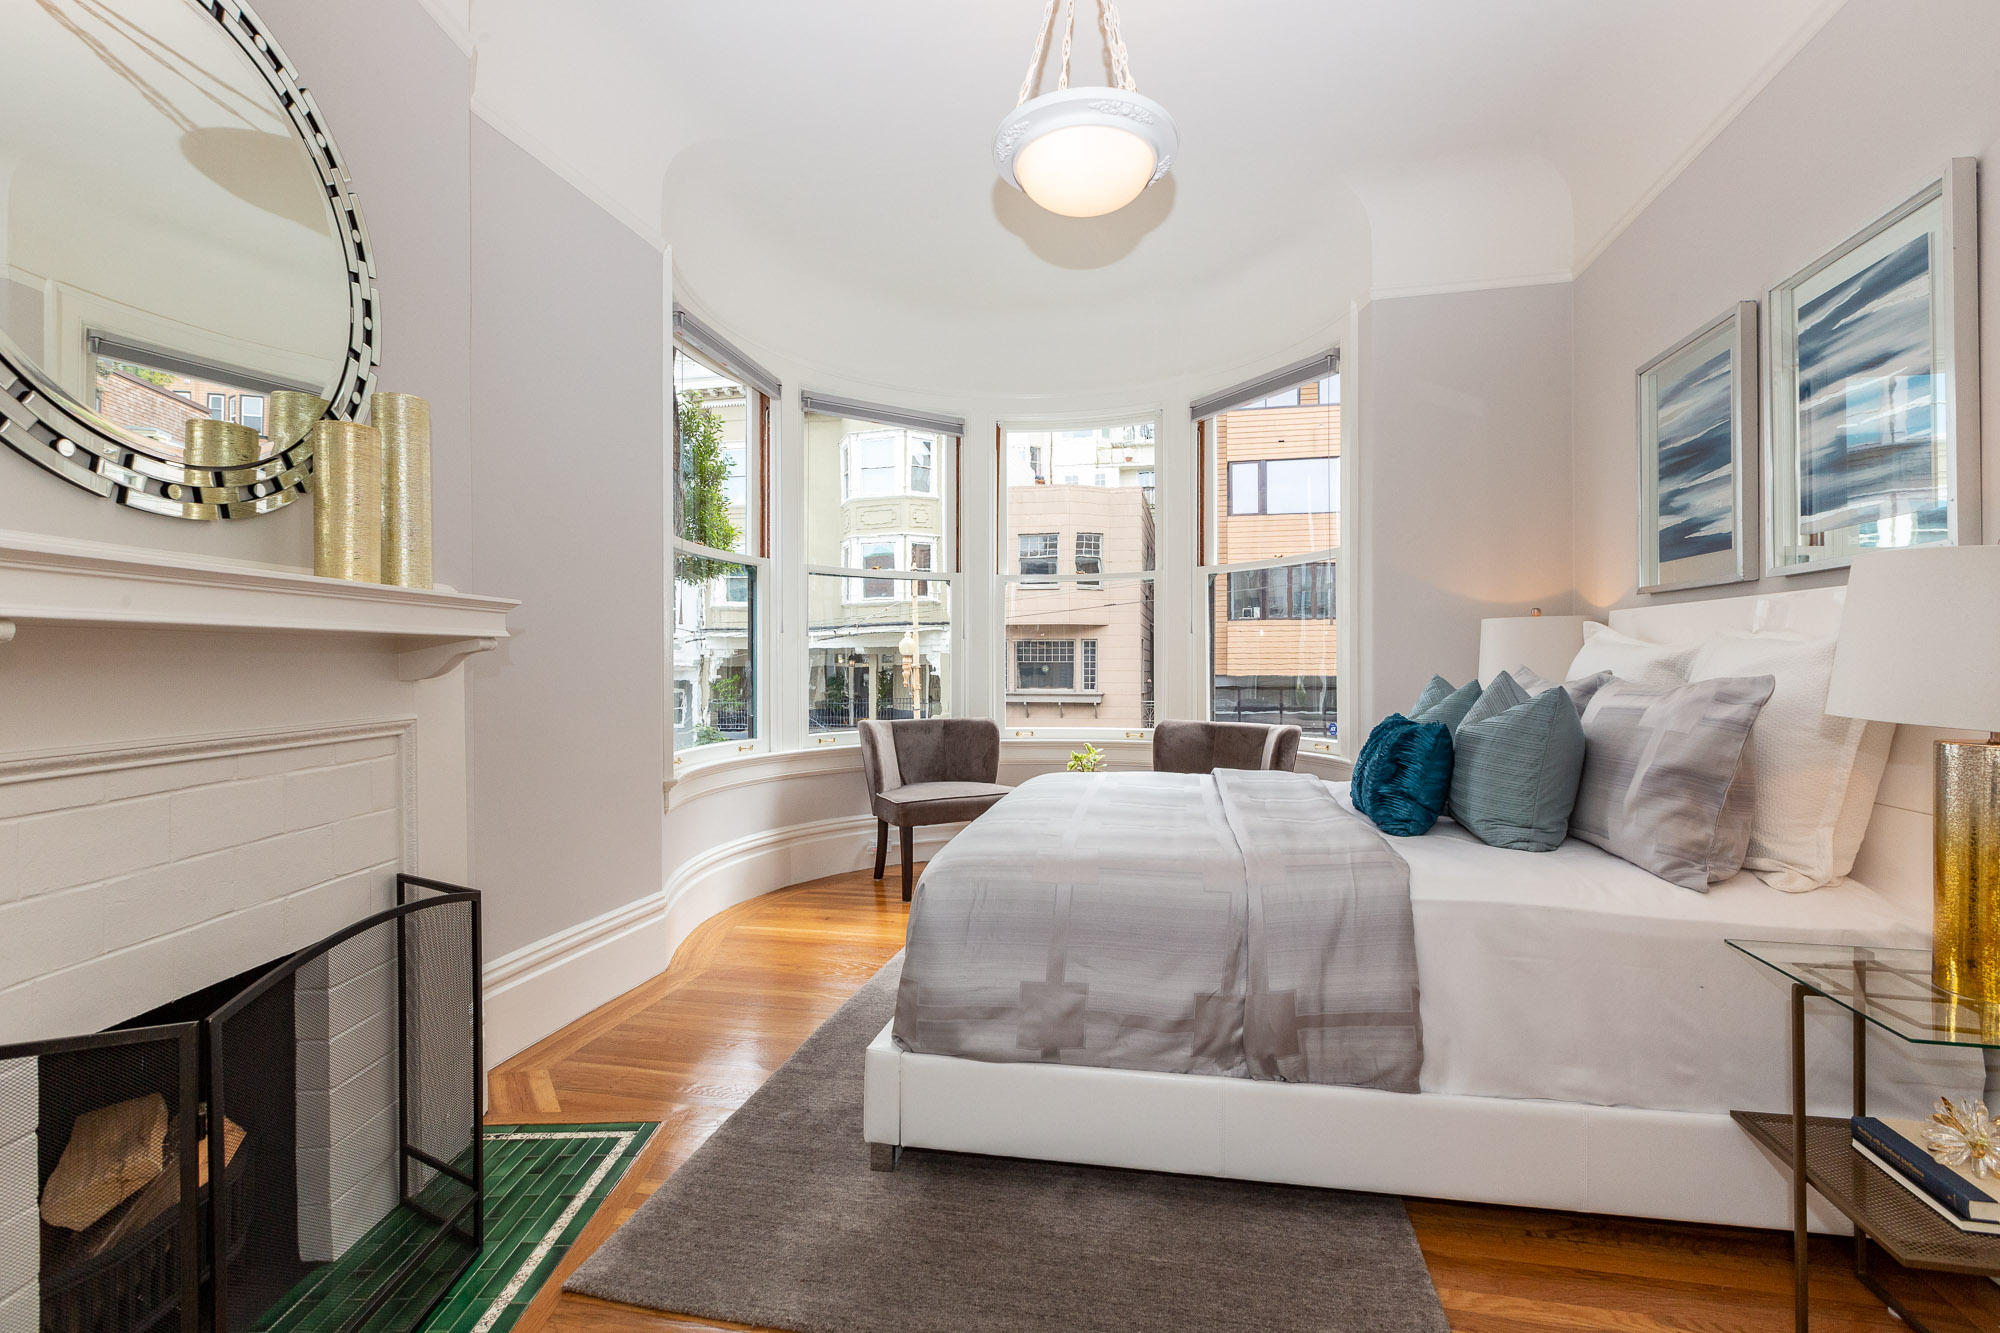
(1898,1145)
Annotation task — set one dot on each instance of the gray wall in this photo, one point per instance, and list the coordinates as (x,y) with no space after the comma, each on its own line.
(568,719)
(1834,141)
(1464,411)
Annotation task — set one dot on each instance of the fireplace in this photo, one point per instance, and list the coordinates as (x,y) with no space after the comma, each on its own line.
(295,1148)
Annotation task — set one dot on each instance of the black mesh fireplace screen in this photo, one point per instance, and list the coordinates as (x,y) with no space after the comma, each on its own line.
(335,1097)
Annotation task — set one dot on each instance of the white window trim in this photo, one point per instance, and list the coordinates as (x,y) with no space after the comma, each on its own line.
(905,465)
(900,542)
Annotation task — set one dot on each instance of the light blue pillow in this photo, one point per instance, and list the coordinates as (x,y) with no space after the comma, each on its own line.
(1516,763)
(1440,702)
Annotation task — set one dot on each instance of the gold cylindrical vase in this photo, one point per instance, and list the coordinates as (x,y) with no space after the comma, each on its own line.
(209,443)
(290,414)
(405,422)
(1965,944)
(347,501)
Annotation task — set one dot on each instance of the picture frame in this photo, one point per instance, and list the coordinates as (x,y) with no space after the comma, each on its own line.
(1874,387)
(1698,458)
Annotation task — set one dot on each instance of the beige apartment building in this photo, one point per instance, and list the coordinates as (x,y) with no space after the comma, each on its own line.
(1277,494)
(1080,651)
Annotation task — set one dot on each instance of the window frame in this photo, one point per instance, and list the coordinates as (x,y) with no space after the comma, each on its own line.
(1039,462)
(1216,496)
(931,583)
(759,426)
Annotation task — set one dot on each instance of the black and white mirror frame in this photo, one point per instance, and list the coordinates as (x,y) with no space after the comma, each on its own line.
(1865,328)
(82,448)
(1698,511)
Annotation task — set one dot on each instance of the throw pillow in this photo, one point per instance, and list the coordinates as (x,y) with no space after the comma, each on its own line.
(1605,649)
(1579,691)
(1668,776)
(1440,702)
(1403,775)
(1816,775)
(1516,761)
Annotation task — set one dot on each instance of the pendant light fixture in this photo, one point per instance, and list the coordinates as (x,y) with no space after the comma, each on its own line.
(1084,152)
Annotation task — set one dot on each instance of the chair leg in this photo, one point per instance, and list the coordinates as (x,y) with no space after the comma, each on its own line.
(909,857)
(881,846)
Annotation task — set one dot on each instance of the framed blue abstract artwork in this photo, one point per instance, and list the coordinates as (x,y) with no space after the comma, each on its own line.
(1698,459)
(1875,387)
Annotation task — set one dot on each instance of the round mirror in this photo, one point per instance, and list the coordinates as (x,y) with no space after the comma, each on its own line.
(185,282)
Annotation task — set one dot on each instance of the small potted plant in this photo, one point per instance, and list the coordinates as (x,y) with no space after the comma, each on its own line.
(1089,759)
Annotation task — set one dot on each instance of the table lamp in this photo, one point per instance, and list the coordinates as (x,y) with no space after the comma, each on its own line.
(1920,645)
(1546,645)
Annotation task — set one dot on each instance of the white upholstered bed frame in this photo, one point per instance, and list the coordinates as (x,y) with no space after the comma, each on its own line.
(1548,1154)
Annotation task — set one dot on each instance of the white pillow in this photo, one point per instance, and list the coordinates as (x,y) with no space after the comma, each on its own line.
(1630,659)
(1816,774)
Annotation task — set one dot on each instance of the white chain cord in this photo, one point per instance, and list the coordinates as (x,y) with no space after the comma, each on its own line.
(1114,44)
(1121,66)
(1069,31)
(1041,49)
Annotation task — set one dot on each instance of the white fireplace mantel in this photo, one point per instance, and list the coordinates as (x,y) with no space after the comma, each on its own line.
(58,581)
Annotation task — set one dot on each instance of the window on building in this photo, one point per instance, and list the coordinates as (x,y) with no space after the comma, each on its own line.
(1077,533)
(218,406)
(1271,532)
(878,500)
(1039,553)
(1090,556)
(251,411)
(1293,592)
(720,427)
(1285,486)
(1045,664)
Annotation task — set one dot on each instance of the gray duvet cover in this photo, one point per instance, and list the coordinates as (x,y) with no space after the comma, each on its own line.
(1239,923)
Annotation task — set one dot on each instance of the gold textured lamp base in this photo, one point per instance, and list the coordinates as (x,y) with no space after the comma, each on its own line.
(1965,946)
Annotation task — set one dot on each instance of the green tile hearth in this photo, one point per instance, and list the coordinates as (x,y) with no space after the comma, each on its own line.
(543,1183)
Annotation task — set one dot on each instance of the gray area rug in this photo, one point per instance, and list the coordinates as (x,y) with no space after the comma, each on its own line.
(777,1221)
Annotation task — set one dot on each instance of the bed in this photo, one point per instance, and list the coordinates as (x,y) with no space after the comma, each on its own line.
(1584,1029)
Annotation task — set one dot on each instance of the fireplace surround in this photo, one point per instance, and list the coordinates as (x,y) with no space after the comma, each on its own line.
(334,1094)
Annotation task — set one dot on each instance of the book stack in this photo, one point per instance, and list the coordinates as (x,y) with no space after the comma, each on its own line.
(1955,1193)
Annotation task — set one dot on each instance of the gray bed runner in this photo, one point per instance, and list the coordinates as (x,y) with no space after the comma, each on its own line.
(1240,923)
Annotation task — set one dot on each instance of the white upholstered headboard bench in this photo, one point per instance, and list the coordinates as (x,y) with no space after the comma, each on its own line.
(1896,855)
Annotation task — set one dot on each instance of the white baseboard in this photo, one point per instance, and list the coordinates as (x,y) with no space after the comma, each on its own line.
(543,987)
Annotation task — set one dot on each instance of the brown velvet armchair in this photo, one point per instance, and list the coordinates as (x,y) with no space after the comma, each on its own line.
(938,770)
(1203,747)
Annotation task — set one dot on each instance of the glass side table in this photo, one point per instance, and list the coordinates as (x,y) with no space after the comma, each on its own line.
(1892,990)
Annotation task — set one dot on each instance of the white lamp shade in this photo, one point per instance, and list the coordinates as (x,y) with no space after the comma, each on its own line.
(1920,639)
(1546,645)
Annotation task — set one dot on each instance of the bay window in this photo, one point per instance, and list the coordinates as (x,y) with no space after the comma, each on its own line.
(879,564)
(1077,576)
(720,548)
(1270,541)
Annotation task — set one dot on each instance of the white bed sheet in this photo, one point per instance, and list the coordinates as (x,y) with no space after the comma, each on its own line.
(1574,976)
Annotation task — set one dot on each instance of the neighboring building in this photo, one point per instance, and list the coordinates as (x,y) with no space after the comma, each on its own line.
(1080,651)
(878,647)
(1277,491)
(160,412)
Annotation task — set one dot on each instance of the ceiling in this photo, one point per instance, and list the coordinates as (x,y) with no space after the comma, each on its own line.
(823,173)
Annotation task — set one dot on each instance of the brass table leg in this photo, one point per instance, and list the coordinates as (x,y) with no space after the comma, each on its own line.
(1801,1318)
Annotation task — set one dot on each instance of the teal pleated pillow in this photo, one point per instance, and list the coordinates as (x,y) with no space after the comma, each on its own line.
(1516,762)
(1403,775)
(1441,702)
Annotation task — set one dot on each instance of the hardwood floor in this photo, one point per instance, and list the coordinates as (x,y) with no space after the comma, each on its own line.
(750,985)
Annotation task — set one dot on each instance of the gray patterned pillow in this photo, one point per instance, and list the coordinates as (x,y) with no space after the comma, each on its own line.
(1667,776)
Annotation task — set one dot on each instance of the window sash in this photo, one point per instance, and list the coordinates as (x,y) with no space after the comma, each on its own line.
(1045,664)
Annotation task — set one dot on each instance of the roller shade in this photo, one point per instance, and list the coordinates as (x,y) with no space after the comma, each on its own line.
(1264,386)
(117,349)
(724,354)
(828,405)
